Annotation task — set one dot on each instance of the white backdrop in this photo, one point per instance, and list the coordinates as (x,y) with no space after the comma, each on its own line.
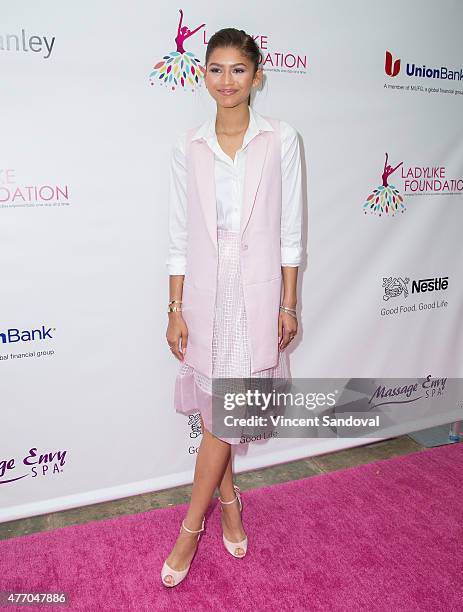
(85,146)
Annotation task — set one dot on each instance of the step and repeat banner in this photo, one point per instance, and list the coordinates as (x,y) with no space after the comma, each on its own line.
(93,95)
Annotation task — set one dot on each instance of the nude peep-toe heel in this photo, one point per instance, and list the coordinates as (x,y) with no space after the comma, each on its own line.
(233,546)
(179,575)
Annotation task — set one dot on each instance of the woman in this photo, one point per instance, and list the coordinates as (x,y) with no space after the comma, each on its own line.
(235,229)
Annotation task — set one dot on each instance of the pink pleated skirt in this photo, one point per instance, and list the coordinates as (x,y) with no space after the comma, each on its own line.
(230,341)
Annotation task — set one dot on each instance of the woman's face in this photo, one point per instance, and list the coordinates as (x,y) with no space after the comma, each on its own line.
(230,76)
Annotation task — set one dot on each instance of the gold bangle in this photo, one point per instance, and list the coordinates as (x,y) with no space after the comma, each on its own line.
(174,309)
(289,311)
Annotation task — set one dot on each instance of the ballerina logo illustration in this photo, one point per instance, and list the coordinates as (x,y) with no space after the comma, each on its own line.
(392,68)
(386,198)
(180,67)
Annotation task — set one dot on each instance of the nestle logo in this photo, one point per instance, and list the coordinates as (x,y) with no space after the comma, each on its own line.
(25,335)
(394,286)
(391,67)
(430,284)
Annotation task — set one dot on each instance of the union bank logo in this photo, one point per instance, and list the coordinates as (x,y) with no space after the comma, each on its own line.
(391,67)
(413,69)
(179,68)
(385,199)
(13,335)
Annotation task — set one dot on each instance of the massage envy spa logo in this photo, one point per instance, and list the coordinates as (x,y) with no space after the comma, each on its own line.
(31,464)
(22,42)
(397,291)
(408,392)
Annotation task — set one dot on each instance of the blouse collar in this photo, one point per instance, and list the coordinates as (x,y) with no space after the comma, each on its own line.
(257,124)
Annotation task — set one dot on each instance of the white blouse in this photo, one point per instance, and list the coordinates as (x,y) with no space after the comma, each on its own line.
(229,181)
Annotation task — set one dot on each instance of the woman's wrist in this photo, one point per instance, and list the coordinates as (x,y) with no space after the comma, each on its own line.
(174,306)
(289,302)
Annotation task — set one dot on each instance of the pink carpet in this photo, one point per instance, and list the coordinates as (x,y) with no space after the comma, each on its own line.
(384,536)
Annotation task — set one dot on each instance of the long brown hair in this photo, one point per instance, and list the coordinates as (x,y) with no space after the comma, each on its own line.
(231,37)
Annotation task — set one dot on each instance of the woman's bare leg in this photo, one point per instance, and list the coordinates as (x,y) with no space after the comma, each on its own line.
(230,514)
(212,459)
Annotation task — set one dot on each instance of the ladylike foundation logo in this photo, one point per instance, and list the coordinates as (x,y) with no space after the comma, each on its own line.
(385,199)
(418,180)
(179,68)
(14,194)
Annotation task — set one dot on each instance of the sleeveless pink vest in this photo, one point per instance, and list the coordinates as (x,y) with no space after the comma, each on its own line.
(260,253)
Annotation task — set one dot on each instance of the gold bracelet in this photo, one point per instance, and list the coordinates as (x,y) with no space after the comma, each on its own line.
(175,301)
(289,311)
(287,308)
(174,309)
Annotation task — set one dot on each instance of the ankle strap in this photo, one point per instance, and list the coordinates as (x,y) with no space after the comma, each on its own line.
(237,490)
(230,502)
(193,530)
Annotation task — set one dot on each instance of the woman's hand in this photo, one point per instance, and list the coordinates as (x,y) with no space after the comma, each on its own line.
(177,334)
(287,329)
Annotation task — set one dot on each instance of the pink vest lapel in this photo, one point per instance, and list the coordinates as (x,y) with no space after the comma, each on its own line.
(204,159)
